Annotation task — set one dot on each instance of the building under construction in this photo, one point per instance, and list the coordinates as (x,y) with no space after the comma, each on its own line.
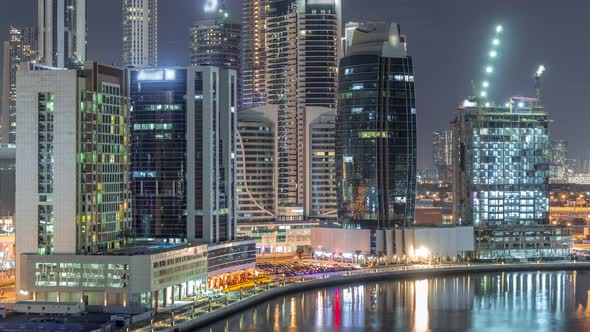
(501,182)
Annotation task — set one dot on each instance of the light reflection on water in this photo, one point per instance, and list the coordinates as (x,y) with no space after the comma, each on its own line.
(523,301)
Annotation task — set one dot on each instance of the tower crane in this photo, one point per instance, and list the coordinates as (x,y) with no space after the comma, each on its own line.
(481,92)
(537,77)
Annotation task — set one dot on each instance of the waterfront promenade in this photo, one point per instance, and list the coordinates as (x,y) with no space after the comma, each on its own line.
(206,310)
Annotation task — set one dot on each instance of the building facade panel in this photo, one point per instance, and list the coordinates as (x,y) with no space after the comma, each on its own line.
(158,156)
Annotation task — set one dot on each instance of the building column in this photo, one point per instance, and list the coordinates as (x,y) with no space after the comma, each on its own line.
(165,297)
(172,295)
(157,299)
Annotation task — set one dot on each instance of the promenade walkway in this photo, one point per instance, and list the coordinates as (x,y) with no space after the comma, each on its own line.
(206,310)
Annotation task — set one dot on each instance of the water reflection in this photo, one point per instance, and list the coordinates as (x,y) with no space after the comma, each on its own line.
(503,301)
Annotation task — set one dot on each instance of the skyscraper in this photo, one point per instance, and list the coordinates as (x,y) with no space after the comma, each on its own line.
(183,162)
(302,52)
(501,180)
(20,49)
(376,130)
(253,54)
(158,154)
(217,43)
(62,32)
(442,145)
(211,150)
(140,33)
(73,194)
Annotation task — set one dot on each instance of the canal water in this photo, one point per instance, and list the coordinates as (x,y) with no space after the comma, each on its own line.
(520,301)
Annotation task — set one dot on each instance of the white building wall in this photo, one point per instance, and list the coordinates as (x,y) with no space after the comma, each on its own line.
(63,85)
(340,240)
(438,241)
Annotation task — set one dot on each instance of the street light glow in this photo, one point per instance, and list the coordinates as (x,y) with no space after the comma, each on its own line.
(486,84)
(496,41)
(499,29)
(489,69)
(422,252)
(493,54)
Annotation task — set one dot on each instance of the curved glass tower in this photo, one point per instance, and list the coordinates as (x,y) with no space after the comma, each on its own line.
(376,130)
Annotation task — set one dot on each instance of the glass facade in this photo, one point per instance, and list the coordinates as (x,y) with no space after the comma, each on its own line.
(158,160)
(227,256)
(376,141)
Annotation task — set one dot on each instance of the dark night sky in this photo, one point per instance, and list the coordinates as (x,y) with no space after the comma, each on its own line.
(447,38)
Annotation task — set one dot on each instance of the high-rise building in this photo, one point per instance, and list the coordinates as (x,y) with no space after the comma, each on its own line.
(217,43)
(442,145)
(7,179)
(211,152)
(183,162)
(18,50)
(302,51)
(73,194)
(158,153)
(558,169)
(320,167)
(253,54)
(62,32)
(257,164)
(376,131)
(140,33)
(501,180)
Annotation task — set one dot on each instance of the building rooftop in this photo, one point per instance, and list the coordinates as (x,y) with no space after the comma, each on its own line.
(148,249)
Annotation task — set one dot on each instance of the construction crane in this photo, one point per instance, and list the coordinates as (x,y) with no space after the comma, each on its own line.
(481,93)
(537,77)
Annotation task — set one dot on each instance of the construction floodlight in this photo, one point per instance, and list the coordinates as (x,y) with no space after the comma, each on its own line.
(540,71)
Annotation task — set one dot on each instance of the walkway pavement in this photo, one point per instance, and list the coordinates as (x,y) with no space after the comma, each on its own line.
(206,309)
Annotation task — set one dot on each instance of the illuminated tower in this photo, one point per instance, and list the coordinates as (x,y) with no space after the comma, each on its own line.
(442,145)
(140,33)
(62,32)
(20,49)
(376,131)
(302,52)
(253,53)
